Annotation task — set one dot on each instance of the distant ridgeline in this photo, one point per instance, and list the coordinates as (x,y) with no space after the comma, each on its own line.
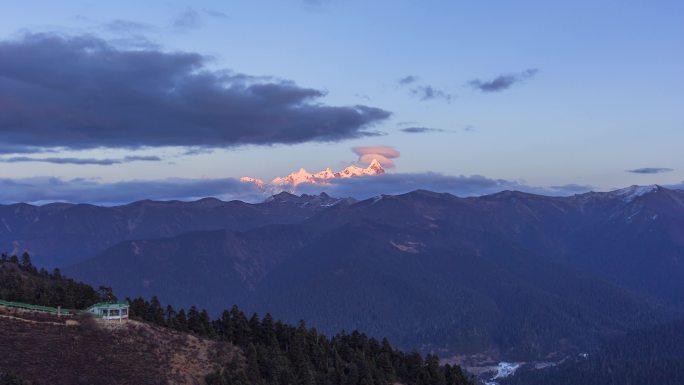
(275,353)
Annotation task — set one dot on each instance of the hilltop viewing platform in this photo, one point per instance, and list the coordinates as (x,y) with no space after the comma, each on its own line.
(103,310)
(110,311)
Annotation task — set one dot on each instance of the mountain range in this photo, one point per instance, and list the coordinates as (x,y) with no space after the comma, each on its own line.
(509,275)
(304,177)
(61,234)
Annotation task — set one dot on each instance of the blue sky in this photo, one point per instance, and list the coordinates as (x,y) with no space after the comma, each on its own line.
(595,88)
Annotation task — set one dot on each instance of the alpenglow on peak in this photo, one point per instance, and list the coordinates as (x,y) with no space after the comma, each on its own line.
(322,177)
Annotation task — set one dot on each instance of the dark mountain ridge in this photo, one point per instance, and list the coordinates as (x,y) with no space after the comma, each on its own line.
(520,274)
(60,234)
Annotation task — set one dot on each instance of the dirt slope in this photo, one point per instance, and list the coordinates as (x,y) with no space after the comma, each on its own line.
(50,350)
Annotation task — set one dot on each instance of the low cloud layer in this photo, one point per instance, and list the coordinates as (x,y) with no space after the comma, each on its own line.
(679,186)
(82,93)
(400,183)
(81,161)
(566,189)
(650,170)
(49,189)
(383,154)
(502,82)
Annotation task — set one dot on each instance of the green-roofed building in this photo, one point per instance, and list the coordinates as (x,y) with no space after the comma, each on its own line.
(110,310)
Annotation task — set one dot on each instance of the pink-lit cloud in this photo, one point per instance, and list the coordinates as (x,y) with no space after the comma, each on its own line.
(383,154)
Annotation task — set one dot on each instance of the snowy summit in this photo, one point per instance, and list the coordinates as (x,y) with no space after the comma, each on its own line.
(303,176)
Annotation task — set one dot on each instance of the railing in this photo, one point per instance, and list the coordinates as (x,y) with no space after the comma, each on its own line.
(54,310)
(47,309)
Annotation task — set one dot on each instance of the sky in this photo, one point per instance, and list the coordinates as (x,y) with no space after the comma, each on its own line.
(110,102)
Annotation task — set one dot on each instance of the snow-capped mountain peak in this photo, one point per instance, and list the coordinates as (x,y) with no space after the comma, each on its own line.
(374,168)
(328,173)
(301,176)
(322,177)
(257,182)
(375,165)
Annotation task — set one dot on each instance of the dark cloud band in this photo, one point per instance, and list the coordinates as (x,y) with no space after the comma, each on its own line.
(80,161)
(50,189)
(420,130)
(650,170)
(81,92)
(502,82)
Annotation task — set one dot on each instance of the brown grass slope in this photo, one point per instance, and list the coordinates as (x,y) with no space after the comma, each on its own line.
(45,349)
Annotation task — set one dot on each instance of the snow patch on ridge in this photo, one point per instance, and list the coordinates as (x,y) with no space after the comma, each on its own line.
(630,193)
(503,370)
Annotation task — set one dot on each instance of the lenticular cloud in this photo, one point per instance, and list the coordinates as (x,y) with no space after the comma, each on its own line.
(383,154)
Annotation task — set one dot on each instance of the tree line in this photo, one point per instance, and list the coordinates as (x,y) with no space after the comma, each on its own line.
(21,281)
(274,352)
(278,353)
(653,356)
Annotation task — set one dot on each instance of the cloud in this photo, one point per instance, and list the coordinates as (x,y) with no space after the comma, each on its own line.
(49,189)
(569,189)
(424,92)
(408,80)
(127,26)
(146,158)
(20,149)
(82,92)
(421,130)
(676,186)
(502,82)
(198,151)
(650,170)
(216,14)
(188,19)
(430,93)
(80,161)
(400,183)
(383,154)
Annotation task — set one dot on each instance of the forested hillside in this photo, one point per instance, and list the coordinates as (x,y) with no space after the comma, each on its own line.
(20,281)
(270,351)
(517,274)
(646,357)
